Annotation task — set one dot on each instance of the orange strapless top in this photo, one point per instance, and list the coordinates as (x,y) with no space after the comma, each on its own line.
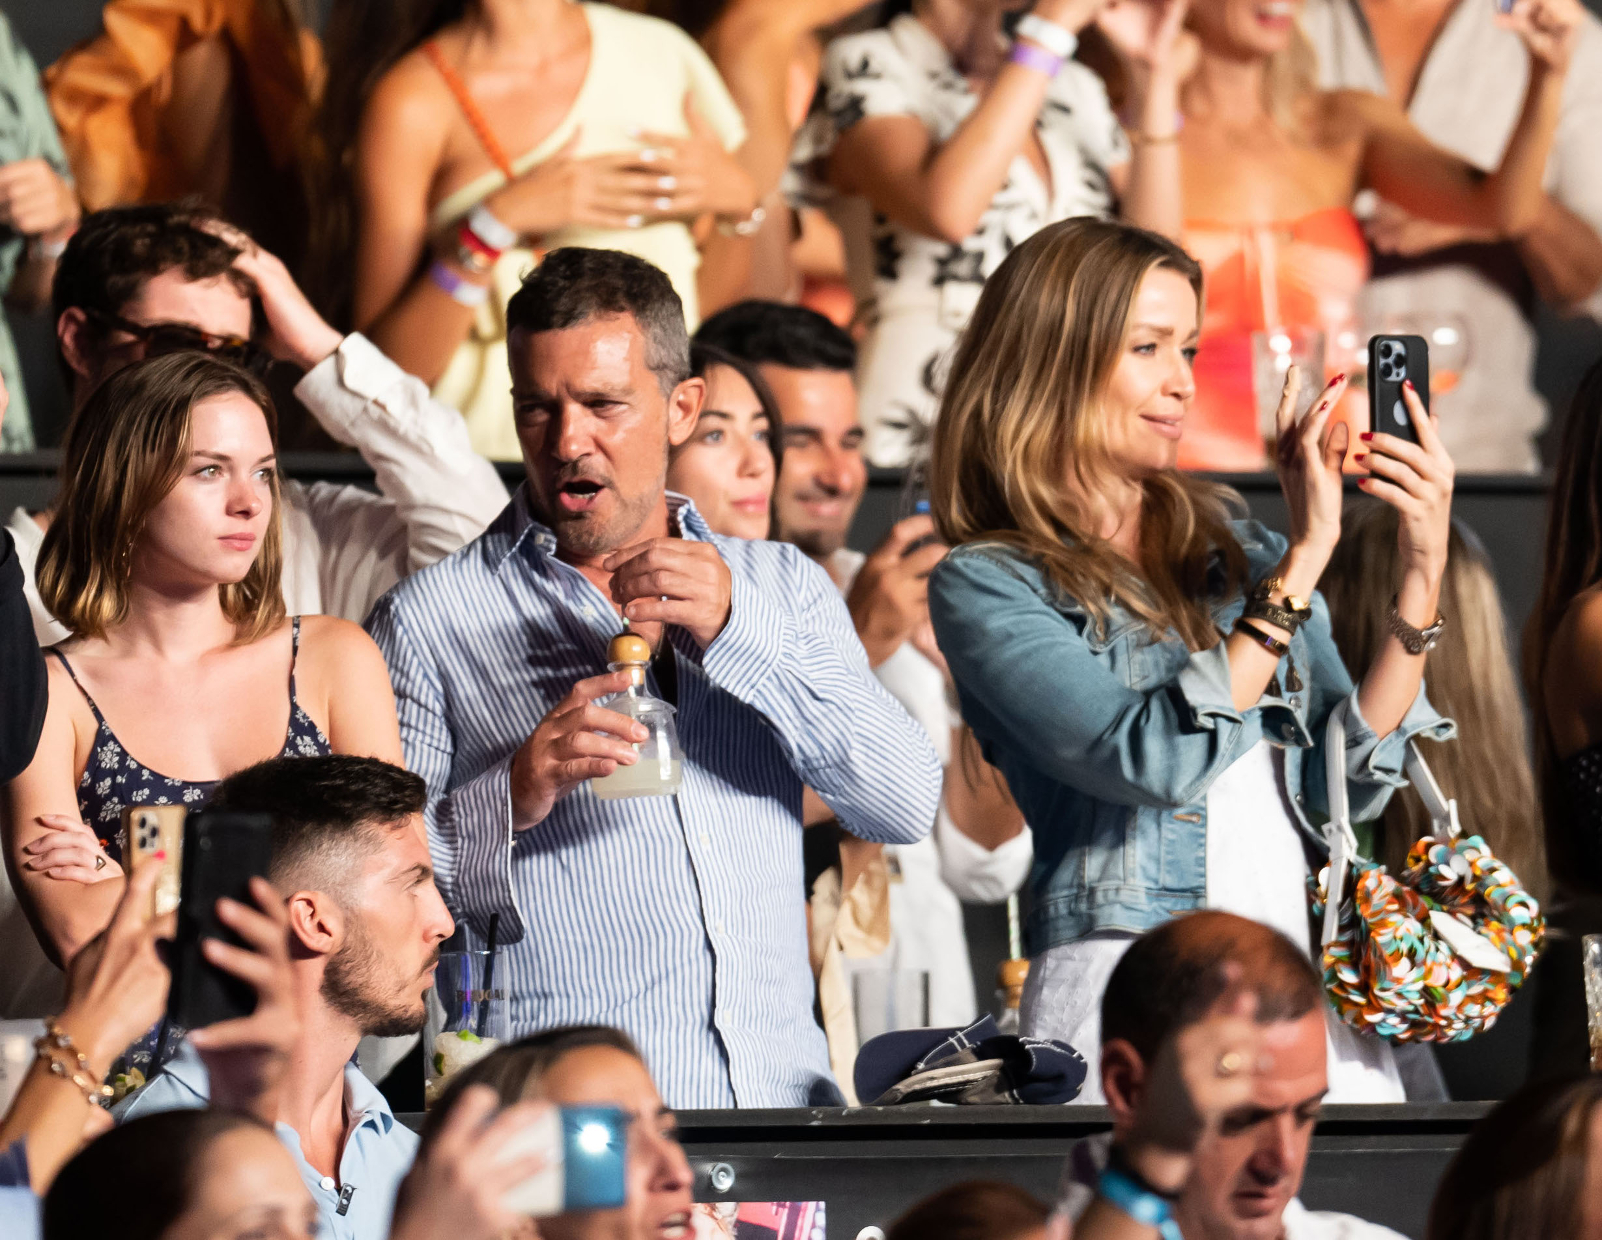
(1298,276)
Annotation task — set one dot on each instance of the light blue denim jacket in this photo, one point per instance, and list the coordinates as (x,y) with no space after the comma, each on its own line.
(1110,741)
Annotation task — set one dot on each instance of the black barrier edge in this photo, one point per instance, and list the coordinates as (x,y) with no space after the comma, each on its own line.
(1043,1122)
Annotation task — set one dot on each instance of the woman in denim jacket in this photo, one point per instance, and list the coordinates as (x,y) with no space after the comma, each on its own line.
(1166,750)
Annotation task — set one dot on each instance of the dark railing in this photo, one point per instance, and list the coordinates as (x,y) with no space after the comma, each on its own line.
(869,1164)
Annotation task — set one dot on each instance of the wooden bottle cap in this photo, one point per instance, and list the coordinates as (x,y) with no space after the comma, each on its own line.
(1010,978)
(629,648)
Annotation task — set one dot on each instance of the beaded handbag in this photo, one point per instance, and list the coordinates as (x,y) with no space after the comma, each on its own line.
(1432,954)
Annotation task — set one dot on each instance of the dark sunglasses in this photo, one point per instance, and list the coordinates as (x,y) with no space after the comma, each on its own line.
(160,339)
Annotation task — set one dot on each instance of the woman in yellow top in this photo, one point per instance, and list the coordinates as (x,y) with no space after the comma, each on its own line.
(475,138)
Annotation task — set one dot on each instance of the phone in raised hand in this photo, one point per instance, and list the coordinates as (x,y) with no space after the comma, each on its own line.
(154,835)
(222,852)
(1392,361)
(587,1152)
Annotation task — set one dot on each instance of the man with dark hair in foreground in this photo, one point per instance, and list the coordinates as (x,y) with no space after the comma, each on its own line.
(1240,1181)
(674,917)
(350,856)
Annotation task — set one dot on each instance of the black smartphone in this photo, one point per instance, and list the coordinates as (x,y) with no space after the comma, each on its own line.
(1392,360)
(222,853)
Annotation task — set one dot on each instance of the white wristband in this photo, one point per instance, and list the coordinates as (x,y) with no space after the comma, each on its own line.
(1060,41)
(490,230)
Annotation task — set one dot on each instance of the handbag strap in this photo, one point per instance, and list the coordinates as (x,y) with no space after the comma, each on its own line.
(1442,811)
(1338,833)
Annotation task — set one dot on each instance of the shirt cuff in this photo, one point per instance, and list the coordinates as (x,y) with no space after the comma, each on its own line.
(980,875)
(1204,683)
(1380,761)
(340,389)
(753,641)
(475,821)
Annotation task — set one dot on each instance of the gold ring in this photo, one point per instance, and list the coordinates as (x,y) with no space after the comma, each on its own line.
(1230,1063)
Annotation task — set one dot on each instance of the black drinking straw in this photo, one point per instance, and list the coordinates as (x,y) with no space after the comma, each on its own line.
(489,976)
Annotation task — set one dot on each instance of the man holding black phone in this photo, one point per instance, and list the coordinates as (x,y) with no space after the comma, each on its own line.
(365,923)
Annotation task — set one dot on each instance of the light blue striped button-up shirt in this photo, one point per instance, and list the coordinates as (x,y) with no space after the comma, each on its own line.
(678,919)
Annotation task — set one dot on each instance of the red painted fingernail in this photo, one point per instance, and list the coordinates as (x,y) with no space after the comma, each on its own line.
(1366,436)
(1408,384)
(1337,378)
(161,854)
(1361,456)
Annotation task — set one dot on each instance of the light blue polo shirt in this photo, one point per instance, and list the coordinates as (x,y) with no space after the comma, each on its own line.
(377,1154)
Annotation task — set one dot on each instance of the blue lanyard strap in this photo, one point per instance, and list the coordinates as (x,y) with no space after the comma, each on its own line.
(1117,1189)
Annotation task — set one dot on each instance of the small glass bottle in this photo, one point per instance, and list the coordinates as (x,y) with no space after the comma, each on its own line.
(660,768)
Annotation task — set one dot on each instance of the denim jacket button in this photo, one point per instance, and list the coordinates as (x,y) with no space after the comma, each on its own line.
(1300,799)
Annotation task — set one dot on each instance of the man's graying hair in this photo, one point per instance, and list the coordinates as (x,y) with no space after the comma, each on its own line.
(574,285)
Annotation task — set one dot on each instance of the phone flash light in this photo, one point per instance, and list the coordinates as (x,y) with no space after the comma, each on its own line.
(593,1138)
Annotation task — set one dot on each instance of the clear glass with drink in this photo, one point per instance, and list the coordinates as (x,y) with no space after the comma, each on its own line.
(660,768)
(466,1017)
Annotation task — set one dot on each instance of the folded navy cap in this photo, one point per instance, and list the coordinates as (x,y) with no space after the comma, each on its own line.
(892,1057)
(978,1064)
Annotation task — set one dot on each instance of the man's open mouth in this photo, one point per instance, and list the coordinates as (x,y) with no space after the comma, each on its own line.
(578,495)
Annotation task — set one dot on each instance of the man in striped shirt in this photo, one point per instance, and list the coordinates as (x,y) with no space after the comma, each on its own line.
(679,919)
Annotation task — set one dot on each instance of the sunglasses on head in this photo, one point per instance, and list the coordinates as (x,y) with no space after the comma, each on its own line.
(160,339)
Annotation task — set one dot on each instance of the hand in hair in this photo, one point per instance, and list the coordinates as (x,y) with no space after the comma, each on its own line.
(296,333)
(456,1189)
(116,990)
(248,1057)
(672,581)
(577,740)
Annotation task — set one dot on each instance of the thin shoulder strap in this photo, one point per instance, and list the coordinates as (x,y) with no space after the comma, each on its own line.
(99,718)
(475,118)
(294,654)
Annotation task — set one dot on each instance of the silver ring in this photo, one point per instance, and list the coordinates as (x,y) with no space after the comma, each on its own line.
(100,862)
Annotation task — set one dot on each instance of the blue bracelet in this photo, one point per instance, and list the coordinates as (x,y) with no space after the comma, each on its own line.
(1148,1209)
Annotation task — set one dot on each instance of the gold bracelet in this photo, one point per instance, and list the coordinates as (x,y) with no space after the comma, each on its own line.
(1147,139)
(56,1043)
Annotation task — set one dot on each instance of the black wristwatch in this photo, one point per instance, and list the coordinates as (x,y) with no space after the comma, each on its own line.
(1415,641)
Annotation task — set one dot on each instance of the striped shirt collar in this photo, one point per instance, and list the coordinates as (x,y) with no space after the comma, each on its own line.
(517,524)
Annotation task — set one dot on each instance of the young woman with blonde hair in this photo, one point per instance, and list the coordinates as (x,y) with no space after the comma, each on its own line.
(1152,675)
(163,560)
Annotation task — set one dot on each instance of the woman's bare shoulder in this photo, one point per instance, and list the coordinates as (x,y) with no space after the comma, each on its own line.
(1579,633)
(411,95)
(329,637)
(1354,113)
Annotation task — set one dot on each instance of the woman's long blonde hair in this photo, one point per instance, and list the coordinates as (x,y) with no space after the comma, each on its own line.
(1471,679)
(1020,449)
(125,451)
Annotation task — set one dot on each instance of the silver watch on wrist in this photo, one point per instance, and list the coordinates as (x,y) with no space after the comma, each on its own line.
(1415,641)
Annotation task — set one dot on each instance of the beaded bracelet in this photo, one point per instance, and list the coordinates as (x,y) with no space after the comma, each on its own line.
(57,1043)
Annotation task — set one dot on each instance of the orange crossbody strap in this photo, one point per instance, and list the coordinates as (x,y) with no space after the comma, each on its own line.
(475,118)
